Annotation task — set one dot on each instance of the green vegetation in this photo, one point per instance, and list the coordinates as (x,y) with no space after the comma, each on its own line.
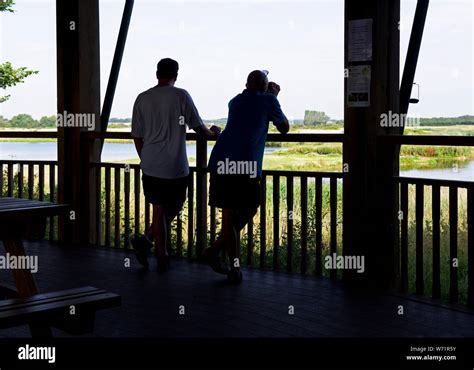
(10,76)
(441,121)
(25,121)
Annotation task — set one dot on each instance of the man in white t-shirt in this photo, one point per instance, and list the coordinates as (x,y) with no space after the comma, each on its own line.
(160,117)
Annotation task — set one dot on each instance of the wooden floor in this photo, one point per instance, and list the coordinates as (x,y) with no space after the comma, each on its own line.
(257,308)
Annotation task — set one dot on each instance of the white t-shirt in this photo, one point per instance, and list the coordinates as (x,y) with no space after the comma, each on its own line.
(160,116)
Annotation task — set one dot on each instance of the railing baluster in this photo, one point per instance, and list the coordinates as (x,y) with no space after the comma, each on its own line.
(420,286)
(190,214)
(117,179)
(404,238)
(41,182)
(136,186)
(319,224)
(304,223)
(147,216)
(333,202)
(250,243)
(263,222)
(31,177)
(52,198)
(52,190)
(212,236)
(289,223)
(107,205)
(179,234)
(10,179)
(436,215)
(276,222)
(98,210)
(470,246)
(453,243)
(1,179)
(20,180)
(127,206)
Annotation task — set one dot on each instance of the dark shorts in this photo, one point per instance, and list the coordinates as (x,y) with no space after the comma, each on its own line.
(165,192)
(238,192)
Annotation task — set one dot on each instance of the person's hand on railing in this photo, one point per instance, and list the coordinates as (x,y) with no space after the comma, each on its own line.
(216,130)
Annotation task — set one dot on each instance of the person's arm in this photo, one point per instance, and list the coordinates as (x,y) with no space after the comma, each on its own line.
(284,126)
(276,114)
(138,146)
(195,123)
(206,133)
(137,129)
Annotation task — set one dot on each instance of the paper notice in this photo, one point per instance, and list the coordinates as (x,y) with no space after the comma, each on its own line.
(358,86)
(360,40)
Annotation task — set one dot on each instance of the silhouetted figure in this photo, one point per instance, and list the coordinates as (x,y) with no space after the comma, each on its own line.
(160,117)
(236,166)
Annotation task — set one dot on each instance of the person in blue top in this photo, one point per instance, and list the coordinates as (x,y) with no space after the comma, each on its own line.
(236,166)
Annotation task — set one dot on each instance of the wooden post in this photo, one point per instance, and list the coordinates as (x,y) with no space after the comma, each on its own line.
(201,197)
(370,200)
(78,72)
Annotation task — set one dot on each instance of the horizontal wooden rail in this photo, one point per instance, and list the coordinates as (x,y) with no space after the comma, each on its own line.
(191,136)
(428,140)
(431,182)
(28,162)
(273,137)
(29,134)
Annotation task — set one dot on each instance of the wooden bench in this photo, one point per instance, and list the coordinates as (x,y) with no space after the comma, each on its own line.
(20,218)
(70,310)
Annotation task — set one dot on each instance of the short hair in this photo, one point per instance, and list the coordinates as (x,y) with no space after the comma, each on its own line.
(167,68)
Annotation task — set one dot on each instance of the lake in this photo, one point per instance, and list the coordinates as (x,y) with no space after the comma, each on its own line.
(47,151)
(120,152)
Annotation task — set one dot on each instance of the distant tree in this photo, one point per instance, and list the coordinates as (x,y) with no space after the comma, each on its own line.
(10,76)
(450,121)
(23,121)
(119,120)
(313,118)
(47,122)
(4,122)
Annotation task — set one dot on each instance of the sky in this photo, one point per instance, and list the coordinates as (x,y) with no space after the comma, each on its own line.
(217,43)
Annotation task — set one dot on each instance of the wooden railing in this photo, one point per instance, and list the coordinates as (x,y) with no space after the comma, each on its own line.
(449,208)
(437,234)
(278,237)
(33,180)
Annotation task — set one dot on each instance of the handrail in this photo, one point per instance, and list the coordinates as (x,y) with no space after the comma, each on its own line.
(428,140)
(29,134)
(285,138)
(28,162)
(429,181)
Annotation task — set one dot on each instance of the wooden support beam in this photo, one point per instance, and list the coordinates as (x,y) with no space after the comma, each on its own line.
(201,197)
(78,72)
(370,199)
